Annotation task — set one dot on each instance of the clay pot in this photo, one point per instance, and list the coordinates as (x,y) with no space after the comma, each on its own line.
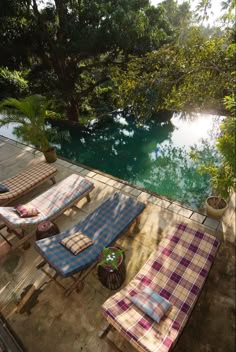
(50,155)
(215,206)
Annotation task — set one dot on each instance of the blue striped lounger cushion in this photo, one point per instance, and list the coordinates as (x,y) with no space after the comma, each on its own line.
(104,225)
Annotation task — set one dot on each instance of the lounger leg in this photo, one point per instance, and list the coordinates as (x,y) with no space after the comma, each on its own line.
(103,335)
(88,197)
(23,238)
(79,280)
(23,241)
(104,330)
(19,234)
(2,226)
(53,180)
(78,286)
(41,266)
(26,245)
(5,239)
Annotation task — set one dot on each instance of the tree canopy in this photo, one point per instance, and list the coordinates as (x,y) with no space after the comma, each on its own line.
(193,76)
(93,56)
(70,45)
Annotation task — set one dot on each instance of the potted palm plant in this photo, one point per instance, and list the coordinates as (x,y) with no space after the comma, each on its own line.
(223,177)
(29,114)
(221,184)
(222,171)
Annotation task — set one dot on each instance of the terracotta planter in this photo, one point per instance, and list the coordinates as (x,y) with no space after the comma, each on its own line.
(215,206)
(50,155)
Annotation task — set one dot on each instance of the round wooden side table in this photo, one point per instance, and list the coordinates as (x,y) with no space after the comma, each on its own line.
(46,229)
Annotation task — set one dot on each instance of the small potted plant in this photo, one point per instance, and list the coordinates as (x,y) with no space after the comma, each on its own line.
(111,267)
(110,258)
(221,186)
(221,167)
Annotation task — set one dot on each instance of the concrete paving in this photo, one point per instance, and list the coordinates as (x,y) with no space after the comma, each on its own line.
(52,322)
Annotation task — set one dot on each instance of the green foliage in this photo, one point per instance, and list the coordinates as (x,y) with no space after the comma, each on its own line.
(72,45)
(222,179)
(222,172)
(227,13)
(52,114)
(226,144)
(193,76)
(205,74)
(12,83)
(230,104)
(29,114)
(202,10)
(110,257)
(94,55)
(15,34)
(179,15)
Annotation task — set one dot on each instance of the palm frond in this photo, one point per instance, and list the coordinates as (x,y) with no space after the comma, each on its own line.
(29,114)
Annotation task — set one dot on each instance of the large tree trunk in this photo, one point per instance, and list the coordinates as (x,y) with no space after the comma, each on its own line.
(73,110)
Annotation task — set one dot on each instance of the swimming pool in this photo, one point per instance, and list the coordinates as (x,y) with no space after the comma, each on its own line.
(154,155)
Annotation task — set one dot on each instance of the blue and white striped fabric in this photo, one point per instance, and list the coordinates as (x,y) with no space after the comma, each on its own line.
(104,225)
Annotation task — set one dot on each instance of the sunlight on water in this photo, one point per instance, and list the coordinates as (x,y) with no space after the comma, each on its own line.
(7,131)
(190,131)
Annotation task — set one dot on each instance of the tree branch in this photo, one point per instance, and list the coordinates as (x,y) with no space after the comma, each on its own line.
(35,9)
(199,69)
(92,86)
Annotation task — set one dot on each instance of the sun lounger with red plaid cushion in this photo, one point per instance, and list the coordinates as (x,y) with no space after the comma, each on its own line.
(176,270)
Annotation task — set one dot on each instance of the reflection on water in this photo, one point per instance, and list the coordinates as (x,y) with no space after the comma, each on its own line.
(153,156)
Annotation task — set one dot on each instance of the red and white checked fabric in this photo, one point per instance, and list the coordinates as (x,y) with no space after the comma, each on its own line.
(176,270)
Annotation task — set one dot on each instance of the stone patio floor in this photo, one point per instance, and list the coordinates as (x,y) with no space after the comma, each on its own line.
(52,322)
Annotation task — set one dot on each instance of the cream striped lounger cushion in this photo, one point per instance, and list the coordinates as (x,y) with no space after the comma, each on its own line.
(25,181)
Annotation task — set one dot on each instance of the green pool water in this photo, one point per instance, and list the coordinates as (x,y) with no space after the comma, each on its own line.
(154,156)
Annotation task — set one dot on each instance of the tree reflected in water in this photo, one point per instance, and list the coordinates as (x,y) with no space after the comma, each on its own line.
(175,175)
(143,155)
